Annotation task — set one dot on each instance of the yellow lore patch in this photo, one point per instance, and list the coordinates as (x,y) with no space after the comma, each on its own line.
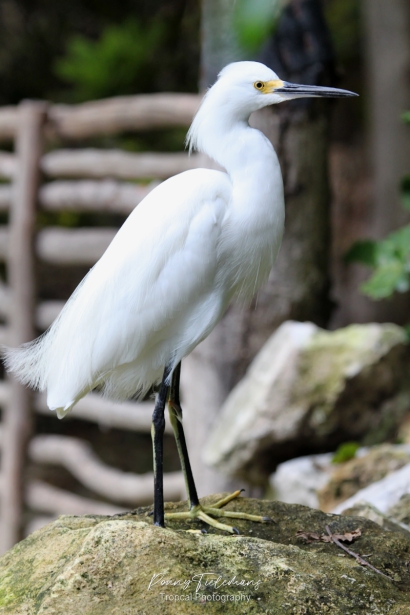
(267,87)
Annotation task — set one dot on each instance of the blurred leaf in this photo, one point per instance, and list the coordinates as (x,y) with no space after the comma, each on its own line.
(390,260)
(111,65)
(407,330)
(254,20)
(406,117)
(389,257)
(397,243)
(343,18)
(387,278)
(346,451)
(405,192)
(362,252)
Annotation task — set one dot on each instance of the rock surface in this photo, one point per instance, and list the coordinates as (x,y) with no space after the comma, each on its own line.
(401,510)
(390,521)
(123,565)
(308,390)
(298,481)
(350,477)
(383,494)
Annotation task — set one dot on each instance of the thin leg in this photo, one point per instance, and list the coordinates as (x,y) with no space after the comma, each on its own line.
(175,415)
(208,514)
(157,433)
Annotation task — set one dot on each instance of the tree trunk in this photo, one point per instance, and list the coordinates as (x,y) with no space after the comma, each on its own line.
(387,28)
(219,43)
(299,283)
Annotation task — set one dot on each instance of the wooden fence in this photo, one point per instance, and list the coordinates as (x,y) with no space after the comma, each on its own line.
(83,180)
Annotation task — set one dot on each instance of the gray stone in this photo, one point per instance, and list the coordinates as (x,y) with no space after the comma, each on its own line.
(363,470)
(400,511)
(309,390)
(297,481)
(386,521)
(119,566)
(300,480)
(384,494)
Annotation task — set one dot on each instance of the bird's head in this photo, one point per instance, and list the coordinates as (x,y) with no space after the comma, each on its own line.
(241,89)
(253,85)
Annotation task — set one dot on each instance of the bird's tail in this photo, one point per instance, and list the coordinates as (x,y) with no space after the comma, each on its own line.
(27,363)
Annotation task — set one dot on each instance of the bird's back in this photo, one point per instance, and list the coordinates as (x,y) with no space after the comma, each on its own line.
(151,297)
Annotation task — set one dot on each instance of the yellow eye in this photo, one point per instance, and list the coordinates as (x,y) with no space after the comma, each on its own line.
(258,85)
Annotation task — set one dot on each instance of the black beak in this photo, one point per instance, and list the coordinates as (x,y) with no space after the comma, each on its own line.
(293,90)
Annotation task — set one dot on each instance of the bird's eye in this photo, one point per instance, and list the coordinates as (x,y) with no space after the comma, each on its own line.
(258,85)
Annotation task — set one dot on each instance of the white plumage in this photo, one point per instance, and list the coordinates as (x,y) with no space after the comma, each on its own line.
(195,242)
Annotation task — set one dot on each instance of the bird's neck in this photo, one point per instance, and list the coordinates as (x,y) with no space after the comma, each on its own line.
(252,165)
(244,152)
(238,148)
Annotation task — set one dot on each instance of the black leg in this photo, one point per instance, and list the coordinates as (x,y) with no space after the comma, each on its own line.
(208,514)
(157,433)
(175,414)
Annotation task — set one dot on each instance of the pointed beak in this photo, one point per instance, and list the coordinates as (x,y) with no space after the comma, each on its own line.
(293,90)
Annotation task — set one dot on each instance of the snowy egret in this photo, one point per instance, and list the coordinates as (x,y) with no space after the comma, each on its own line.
(197,241)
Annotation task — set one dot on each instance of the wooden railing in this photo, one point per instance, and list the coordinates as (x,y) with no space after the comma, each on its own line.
(85,180)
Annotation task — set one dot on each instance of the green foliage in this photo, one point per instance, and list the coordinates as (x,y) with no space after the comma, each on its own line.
(122,58)
(406,117)
(346,451)
(343,19)
(405,192)
(363,252)
(389,258)
(254,20)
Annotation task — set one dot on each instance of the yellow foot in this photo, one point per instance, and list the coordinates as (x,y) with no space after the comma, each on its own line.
(207,514)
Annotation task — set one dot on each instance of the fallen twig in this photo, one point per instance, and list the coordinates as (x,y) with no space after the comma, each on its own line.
(356,556)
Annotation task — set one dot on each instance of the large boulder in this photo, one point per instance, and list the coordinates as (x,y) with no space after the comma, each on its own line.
(298,481)
(308,390)
(383,494)
(123,565)
(320,482)
(354,475)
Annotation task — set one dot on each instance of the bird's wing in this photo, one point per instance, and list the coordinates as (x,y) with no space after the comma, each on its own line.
(160,266)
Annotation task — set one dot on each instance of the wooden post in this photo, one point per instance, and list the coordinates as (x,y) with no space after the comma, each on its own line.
(17,419)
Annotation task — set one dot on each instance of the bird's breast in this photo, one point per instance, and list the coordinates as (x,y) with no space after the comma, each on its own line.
(253,237)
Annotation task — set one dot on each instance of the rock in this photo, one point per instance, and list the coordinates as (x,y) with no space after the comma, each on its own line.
(309,390)
(349,477)
(383,494)
(401,510)
(316,481)
(388,522)
(403,432)
(123,565)
(297,481)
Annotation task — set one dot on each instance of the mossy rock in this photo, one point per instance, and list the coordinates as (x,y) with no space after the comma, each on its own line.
(309,390)
(401,510)
(108,565)
(349,477)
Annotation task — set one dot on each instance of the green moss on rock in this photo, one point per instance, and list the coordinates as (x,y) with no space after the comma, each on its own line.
(334,357)
(123,565)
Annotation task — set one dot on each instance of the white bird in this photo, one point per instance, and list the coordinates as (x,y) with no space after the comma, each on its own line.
(196,242)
